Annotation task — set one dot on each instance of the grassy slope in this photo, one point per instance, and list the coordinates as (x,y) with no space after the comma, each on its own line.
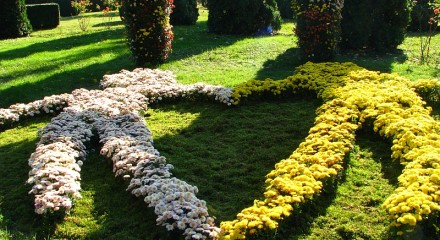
(225,152)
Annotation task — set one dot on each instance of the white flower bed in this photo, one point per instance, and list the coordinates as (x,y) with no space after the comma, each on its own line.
(47,105)
(113,113)
(57,161)
(128,143)
(158,85)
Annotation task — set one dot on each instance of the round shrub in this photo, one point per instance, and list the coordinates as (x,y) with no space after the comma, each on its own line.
(318,28)
(185,12)
(148,30)
(242,16)
(13,19)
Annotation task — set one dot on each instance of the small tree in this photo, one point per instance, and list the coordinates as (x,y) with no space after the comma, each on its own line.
(148,30)
(185,12)
(242,16)
(13,19)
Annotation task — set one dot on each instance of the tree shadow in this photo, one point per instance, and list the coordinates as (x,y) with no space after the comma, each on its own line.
(282,66)
(194,40)
(191,40)
(65,81)
(16,205)
(391,170)
(119,214)
(61,44)
(227,152)
(373,61)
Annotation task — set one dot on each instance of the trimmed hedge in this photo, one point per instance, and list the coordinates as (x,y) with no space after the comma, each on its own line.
(44,16)
(375,25)
(242,16)
(185,12)
(66,9)
(13,19)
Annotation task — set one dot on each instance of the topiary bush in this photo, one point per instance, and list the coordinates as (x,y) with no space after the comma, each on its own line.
(44,16)
(148,30)
(242,16)
(286,8)
(13,19)
(318,28)
(375,25)
(185,12)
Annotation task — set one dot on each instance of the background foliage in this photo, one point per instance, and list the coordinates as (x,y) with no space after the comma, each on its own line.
(374,25)
(185,12)
(13,19)
(244,17)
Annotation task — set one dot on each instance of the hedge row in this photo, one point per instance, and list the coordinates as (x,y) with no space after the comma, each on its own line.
(43,16)
(66,9)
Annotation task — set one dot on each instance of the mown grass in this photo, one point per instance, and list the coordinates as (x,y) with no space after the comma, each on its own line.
(226,152)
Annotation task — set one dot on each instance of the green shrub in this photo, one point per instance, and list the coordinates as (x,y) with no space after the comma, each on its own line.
(376,25)
(420,14)
(285,8)
(390,23)
(148,30)
(185,12)
(242,16)
(13,20)
(318,28)
(356,24)
(43,16)
(66,9)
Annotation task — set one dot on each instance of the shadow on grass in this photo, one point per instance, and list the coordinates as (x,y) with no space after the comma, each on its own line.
(227,152)
(16,205)
(281,67)
(284,65)
(109,23)
(391,170)
(64,82)
(119,214)
(373,61)
(195,39)
(62,44)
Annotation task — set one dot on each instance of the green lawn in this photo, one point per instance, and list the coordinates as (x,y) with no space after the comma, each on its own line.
(226,152)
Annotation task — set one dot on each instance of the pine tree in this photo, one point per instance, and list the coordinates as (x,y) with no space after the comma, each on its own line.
(13,19)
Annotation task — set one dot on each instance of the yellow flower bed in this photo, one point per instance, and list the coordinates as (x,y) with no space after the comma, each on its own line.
(352,96)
